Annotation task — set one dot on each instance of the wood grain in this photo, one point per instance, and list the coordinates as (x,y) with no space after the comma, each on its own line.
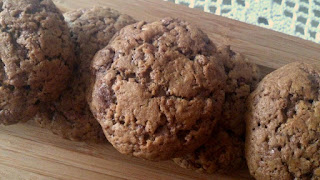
(29,152)
(35,153)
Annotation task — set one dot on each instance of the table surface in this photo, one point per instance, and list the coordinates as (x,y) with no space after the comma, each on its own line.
(29,152)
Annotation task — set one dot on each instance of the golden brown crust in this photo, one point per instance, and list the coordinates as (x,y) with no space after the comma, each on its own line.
(283,124)
(158,91)
(70,116)
(36,57)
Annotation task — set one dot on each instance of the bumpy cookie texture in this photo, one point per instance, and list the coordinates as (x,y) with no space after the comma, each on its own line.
(224,151)
(158,90)
(36,57)
(283,124)
(70,116)
(242,79)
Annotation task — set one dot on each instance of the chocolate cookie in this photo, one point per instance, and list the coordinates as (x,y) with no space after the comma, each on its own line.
(224,151)
(283,124)
(36,57)
(70,116)
(158,90)
(221,153)
(243,78)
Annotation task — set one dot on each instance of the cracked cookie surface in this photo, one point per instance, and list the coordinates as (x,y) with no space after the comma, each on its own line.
(224,151)
(221,153)
(283,124)
(70,116)
(36,57)
(158,90)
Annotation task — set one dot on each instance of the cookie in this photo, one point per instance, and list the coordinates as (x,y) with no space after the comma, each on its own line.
(242,79)
(158,90)
(36,57)
(221,153)
(224,151)
(283,124)
(70,116)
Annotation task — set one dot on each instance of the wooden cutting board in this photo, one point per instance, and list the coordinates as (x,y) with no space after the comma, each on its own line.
(29,152)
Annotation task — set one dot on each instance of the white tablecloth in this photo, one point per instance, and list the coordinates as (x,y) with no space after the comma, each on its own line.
(295,17)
